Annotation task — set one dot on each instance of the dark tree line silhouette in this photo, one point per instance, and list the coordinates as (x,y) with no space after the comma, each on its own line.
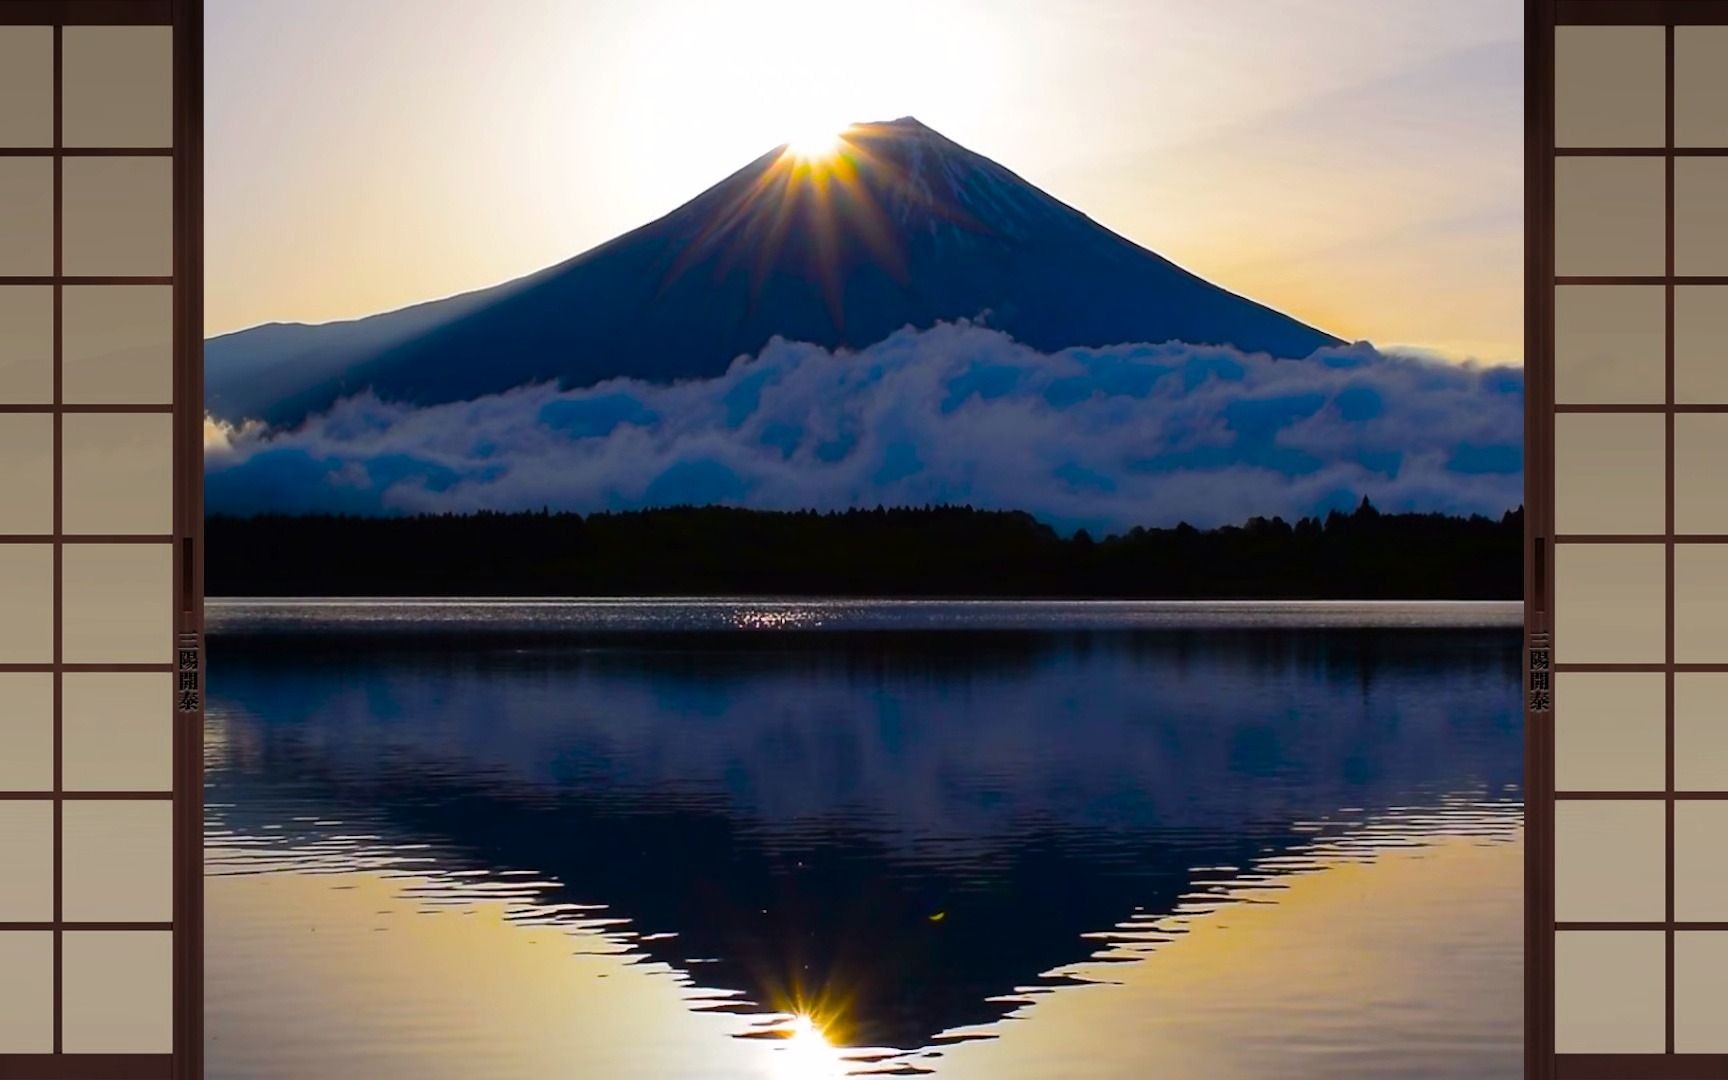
(928,551)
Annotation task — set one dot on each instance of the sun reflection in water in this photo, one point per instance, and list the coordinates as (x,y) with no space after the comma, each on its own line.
(805,1053)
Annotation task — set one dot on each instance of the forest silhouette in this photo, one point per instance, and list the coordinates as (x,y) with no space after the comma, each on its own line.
(946,551)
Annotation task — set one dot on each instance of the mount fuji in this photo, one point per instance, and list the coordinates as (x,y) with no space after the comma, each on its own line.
(899,227)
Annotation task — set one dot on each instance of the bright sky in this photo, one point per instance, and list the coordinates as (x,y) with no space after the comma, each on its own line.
(1353,162)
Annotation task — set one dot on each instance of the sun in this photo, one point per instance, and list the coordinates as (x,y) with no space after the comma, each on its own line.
(815,142)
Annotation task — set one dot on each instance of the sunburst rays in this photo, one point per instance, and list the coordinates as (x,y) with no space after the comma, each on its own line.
(831,201)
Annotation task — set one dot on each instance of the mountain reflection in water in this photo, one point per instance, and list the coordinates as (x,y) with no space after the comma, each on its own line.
(951,849)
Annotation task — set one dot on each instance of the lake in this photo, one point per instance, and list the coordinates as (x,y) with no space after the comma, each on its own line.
(739,839)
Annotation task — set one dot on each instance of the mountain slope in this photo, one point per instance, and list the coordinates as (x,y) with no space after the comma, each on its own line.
(902,227)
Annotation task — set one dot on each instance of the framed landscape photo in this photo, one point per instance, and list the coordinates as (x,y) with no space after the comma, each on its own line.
(959,539)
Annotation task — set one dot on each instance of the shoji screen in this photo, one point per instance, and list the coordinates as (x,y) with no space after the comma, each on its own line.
(1627,598)
(100,419)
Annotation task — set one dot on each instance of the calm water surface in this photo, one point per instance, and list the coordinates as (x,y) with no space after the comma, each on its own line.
(644,838)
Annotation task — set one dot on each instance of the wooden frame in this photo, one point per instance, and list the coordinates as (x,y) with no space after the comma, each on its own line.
(184,544)
(1542,17)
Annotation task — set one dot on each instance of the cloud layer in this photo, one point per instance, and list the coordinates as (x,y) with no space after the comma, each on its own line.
(1101,438)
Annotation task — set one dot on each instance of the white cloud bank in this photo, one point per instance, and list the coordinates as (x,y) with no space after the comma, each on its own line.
(1102,438)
